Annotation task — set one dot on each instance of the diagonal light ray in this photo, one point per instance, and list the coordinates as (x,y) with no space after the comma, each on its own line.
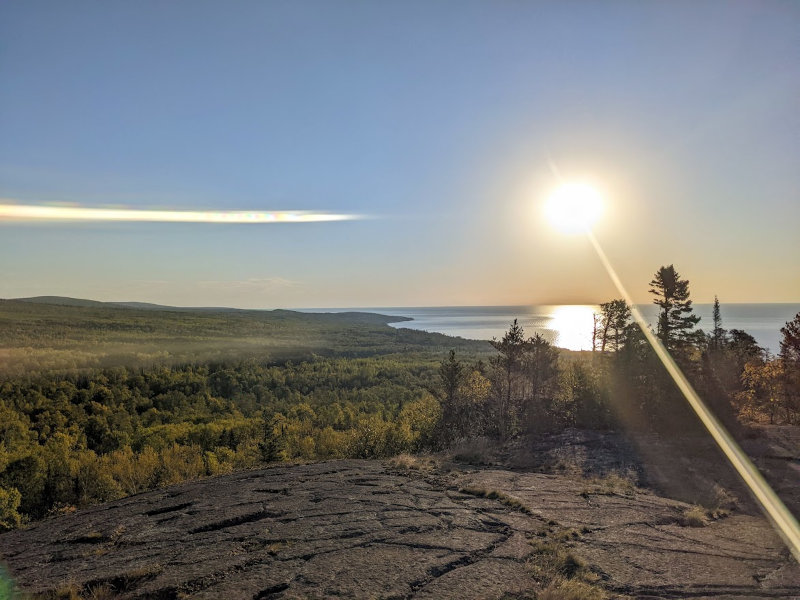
(29,212)
(783,520)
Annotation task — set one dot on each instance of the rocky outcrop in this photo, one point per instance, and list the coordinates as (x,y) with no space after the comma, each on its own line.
(365,529)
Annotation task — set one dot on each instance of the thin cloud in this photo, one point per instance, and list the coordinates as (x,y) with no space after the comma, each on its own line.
(253,283)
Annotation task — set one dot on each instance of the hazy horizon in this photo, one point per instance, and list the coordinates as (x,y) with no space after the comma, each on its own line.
(565,325)
(366,307)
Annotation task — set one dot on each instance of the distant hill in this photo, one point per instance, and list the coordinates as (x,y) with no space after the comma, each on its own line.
(60,301)
(54,332)
(143,305)
(362,317)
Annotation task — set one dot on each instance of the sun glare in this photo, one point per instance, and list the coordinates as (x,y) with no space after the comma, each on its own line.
(574,207)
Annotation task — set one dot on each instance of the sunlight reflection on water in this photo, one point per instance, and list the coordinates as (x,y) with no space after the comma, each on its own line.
(572,325)
(566,326)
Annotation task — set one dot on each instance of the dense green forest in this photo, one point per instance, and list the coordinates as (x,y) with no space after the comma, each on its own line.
(100,401)
(75,439)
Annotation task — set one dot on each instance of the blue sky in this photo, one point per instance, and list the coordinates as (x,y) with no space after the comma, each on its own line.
(437,119)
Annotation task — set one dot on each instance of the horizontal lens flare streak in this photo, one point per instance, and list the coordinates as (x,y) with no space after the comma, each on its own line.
(783,521)
(27,212)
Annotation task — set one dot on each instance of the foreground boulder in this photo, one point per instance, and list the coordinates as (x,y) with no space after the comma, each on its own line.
(365,529)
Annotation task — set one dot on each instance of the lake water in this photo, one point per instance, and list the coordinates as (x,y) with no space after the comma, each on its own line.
(570,326)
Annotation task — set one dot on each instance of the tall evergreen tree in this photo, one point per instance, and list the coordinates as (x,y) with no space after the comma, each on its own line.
(450,376)
(676,318)
(718,333)
(790,341)
(790,357)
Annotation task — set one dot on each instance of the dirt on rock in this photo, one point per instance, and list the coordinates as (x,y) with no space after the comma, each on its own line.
(370,529)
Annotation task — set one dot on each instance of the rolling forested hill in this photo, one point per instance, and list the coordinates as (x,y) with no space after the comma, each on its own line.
(55,333)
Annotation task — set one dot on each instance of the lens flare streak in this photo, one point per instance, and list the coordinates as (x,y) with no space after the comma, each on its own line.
(27,212)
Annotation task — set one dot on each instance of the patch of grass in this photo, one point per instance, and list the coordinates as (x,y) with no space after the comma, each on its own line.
(61,509)
(694,517)
(136,576)
(562,573)
(510,501)
(72,591)
(92,537)
(566,535)
(275,547)
(609,485)
(571,589)
(117,533)
(553,559)
(103,589)
(409,462)
(67,590)
(99,551)
(101,592)
(105,542)
(697,516)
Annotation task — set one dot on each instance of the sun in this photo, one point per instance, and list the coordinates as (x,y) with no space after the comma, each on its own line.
(574,207)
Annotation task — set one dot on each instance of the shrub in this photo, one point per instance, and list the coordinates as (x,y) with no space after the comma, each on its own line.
(10,499)
(474,451)
(330,443)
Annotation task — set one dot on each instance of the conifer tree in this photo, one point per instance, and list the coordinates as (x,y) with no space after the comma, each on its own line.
(718,333)
(508,365)
(450,375)
(676,319)
(790,341)
(789,355)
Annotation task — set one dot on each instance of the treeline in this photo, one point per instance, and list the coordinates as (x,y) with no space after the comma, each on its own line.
(526,388)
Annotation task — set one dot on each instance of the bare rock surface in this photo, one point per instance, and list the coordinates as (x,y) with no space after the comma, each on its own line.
(363,529)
